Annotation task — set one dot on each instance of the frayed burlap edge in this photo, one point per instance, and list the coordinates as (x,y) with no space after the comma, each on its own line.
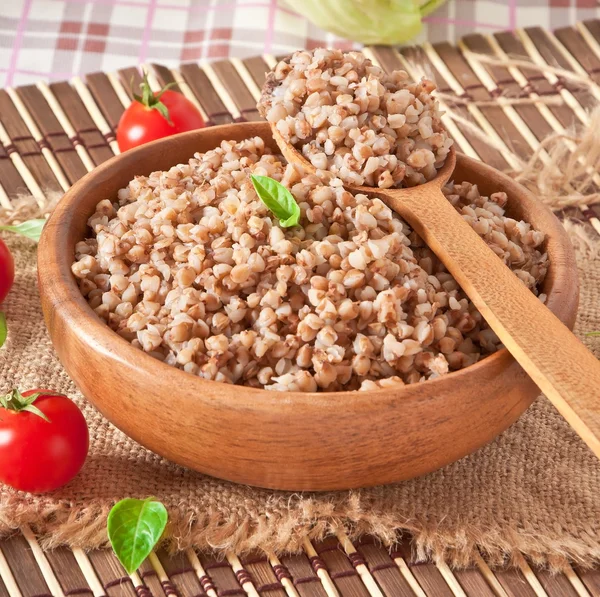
(76,526)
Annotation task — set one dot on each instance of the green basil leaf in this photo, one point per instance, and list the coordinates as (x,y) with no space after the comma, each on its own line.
(3,329)
(278,199)
(587,334)
(134,529)
(31,229)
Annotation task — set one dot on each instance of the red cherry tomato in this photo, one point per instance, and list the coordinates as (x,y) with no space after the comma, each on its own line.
(153,116)
(7,270)
(38,455)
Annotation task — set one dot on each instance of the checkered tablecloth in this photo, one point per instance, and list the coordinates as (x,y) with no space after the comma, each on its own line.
(55,39)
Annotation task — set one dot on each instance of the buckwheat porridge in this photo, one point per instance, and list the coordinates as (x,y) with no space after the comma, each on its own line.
(350,118)
(193,268)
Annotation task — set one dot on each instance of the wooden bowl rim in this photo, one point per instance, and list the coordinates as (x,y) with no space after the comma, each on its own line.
(54,267)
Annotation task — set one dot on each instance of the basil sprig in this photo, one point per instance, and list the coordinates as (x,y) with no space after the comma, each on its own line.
(278,199)
(31,229)
(134,529)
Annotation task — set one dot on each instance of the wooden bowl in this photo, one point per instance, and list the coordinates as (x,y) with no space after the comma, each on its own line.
(293,441)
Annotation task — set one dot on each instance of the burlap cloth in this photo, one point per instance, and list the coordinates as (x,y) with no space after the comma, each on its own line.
(535,489)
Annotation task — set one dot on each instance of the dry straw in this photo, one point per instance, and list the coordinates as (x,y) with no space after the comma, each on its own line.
(567,179)
(581,79)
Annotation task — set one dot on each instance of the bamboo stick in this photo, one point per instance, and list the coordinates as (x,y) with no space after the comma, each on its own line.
(508,110)
(589,39)
(573,62)
(94,111)
(576,582)
(137,581)
(116,85)
(161,574)
(88,572)
(39,138)
(66,124)
(199,570)
(362,570)
(514,160)
(271,61)
(236,565)
(323,575)
(22,168)
(450,579)
(530,577)
(246,77)
(42,562)
(543,68)
(489,576)
(550,75)
(4,200)
(185,89)
(289,587)
(221,91)
(7,577)
(578,109)
(543,109)
(409,577)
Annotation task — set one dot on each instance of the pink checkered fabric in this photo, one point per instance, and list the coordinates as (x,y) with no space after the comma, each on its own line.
(56,39)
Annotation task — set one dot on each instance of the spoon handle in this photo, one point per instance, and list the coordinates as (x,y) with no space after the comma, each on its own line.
(560,365)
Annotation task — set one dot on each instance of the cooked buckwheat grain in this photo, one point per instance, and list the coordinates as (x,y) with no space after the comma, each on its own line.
(190,266)
(350,118)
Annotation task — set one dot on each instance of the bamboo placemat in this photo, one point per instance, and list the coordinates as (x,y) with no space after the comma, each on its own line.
(52,134)
(331,568)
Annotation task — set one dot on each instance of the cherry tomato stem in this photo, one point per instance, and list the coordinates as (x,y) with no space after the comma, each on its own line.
(153,116)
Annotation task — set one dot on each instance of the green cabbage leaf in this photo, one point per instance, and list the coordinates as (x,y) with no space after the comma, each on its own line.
(385,22)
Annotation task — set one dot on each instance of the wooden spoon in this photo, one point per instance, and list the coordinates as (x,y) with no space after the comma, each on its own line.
(551,355)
